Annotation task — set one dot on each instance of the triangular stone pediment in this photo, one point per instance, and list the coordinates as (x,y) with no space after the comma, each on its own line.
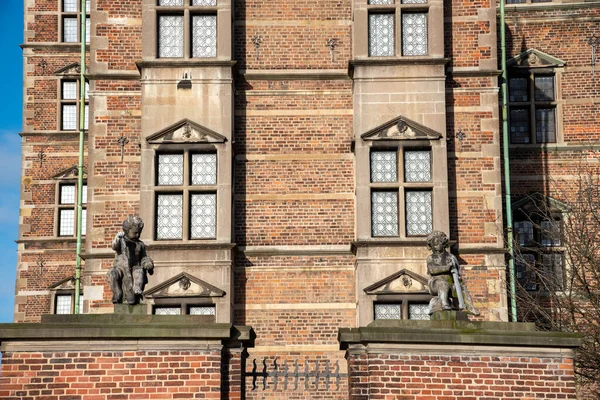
(537,203)
(533,58)
(403,281)
(401,128)
(70,173)
(184,285)
(71,69)
(186,131)
(67,283)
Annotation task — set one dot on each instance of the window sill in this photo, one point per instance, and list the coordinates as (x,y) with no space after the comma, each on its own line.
(185,62)
(399,60)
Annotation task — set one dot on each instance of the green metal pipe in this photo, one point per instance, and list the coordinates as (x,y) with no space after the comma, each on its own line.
(509,224)
(82,39)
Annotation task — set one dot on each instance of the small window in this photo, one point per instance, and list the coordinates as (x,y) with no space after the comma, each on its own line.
(70,21)
(67,211)
(167,310)
(186,309)
(404,309)
(69,105)
(64,302)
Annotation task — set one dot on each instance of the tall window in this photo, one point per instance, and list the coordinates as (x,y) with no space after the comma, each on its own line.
(186,196)
(412,16)
(532,102)
(69,105)
(67,209)
(199,17)
(409,191)
(70,21)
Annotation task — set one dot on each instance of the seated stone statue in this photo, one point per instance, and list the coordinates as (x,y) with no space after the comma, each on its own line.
(446,282)
(128,276)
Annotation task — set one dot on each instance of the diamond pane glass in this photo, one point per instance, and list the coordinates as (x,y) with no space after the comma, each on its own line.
(63,304)
(167,311)
(519,125)
(550,233)
(381,35)
(517,89)
(414,1)
(204,36)
(417,166)
(169,216)
(388,311)
(381,1)
(204,2)
(66,223)
(69,90)
(418,311)
(84,194)
(170,36)
(70,5)
(67,194)
(544,88)
(384,213)
(69,117)
(204,169)
(202,310)
(86,118)
(419,218)
(170,2)
(383,166)
(414,34)
(70,29)
(545,125)
(524,230)
(204,216)
(170,169)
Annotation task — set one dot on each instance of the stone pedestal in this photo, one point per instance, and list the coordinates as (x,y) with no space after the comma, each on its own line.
(122,356)
(458,360)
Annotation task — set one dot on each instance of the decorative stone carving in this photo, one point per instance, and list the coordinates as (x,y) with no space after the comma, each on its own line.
(128,277)
(446,283)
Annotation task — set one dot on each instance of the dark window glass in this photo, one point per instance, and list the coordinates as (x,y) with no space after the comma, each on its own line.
(519,125)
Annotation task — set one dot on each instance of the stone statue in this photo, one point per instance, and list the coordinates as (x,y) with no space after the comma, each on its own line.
(128,275)
(446,282)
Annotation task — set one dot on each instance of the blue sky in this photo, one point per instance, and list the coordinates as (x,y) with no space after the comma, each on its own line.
(11,27)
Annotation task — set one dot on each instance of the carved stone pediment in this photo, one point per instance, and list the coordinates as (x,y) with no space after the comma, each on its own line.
(186,131)
(401,282)
(70,174)
(183,285)
(533,58)
(67,283)
(70,70)
(401,128)
(539,203)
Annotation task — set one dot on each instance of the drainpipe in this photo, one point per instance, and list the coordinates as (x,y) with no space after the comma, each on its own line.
(82,38)
(509,222)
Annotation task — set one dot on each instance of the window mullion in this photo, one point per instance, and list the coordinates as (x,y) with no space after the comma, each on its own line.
(187,33)
(186,194)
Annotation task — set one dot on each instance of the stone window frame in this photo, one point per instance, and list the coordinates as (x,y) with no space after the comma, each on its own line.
(186,189)
(434,10)
(75,102)
(404,300)
(532,104)
(185,304)
(59,205)
(66,292)
(74,15)
(152,11)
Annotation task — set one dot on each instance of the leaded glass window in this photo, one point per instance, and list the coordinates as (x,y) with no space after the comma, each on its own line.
(414,34)
(553,270)
(63,303)
(418,311)
(170,169)
(70,5)
(204,216)
(524,230)
(545,125)
(414,1)
(167,311)
(417,166)
(67,211)
(202,310)
(204,169)
(384,213)
(544,88)
(69,102)
(170,36)
(381,35)
(69,117)
(381,1)
(170,3)
(205,3)
(419,215)
(518,90)
(70,30)
(204,36)
(169,216)
(66,222)
(384,166)
(67,194)
(69,90)
(550,233)
(519,125)
(388,311)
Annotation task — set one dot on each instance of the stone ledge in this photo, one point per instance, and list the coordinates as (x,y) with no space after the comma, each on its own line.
(456,333)
(125,327)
